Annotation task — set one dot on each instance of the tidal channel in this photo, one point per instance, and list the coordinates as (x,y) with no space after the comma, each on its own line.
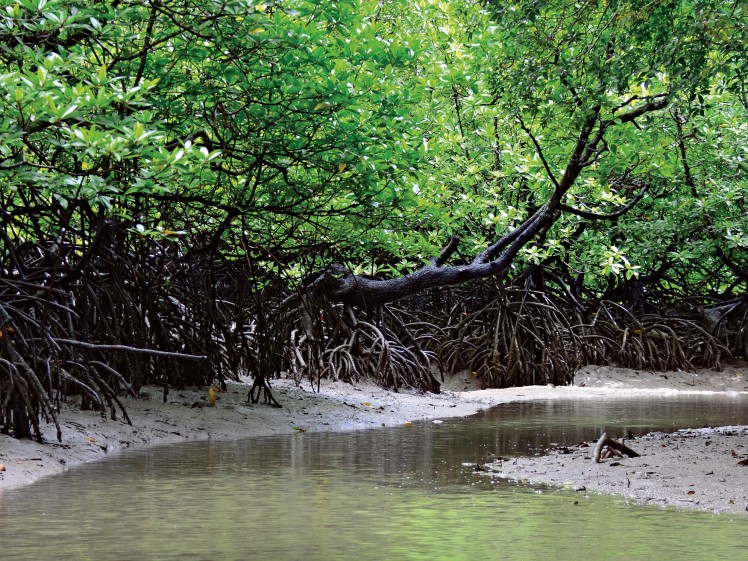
(405,493)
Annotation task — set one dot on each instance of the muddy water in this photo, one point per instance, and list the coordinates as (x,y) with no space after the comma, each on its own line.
(405,493)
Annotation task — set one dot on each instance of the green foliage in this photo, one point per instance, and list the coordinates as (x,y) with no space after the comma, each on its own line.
(511,87)
(373,131)
(182,163)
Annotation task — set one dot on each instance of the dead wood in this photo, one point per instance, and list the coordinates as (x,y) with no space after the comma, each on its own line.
(608,442)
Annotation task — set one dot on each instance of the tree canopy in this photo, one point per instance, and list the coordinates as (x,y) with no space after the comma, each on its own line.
(253,183)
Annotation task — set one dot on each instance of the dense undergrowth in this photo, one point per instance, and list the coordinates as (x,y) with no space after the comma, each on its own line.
(103,325)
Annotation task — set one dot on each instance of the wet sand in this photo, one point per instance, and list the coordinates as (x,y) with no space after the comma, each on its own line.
(703,468)
(691,468)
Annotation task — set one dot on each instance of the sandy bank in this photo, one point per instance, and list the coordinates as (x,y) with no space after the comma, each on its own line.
(87,437)
(185,416)
(691,468)
(697,468)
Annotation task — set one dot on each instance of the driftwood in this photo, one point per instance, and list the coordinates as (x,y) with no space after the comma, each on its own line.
(610,443)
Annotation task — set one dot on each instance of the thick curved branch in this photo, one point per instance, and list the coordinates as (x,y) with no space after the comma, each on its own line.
(654,103)
(498,246)
(366,292)
(498,257)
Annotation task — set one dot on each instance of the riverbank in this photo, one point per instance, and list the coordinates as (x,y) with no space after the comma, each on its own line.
(691,468)
(186,416)
(703,468)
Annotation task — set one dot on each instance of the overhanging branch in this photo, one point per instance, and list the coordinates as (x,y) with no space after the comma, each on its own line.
(498,257)
(447,252)
(362,291)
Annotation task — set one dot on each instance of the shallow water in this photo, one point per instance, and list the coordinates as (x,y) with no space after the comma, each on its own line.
(390,494)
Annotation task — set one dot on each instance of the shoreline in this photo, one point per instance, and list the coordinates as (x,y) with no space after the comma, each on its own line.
(681,464)
(187,417)
(690,468)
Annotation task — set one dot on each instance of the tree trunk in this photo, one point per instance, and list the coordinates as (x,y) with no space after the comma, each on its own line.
(496,259)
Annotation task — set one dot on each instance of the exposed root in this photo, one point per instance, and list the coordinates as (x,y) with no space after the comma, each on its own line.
(99,326)
(654,342)
(315,339)
(519,339)
(107,323)
(606,446)
(262,389)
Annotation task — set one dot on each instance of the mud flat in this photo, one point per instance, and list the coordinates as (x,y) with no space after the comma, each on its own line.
(692,468)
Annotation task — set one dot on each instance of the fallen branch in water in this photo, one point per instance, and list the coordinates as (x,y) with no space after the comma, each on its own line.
(610,443)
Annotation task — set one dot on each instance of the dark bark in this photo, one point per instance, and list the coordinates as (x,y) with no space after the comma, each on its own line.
(262,389)
(366,292)
(496,260)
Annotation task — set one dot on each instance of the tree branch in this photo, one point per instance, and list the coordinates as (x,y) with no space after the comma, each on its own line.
(653,104)
(360,291)
(538,151)
(610,216)
(447,252)
(126,348)
(498,257)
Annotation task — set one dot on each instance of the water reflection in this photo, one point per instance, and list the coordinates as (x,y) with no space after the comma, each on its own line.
(391,494)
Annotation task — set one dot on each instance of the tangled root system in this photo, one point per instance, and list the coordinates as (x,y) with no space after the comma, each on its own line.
(103,327)
(315,339)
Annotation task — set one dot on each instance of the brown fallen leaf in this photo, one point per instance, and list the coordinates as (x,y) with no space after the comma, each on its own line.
(743,462)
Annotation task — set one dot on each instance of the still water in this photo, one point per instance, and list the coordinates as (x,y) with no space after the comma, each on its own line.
(405,493)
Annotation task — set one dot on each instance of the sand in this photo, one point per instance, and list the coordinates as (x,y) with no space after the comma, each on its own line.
(687,469)
(691,468)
